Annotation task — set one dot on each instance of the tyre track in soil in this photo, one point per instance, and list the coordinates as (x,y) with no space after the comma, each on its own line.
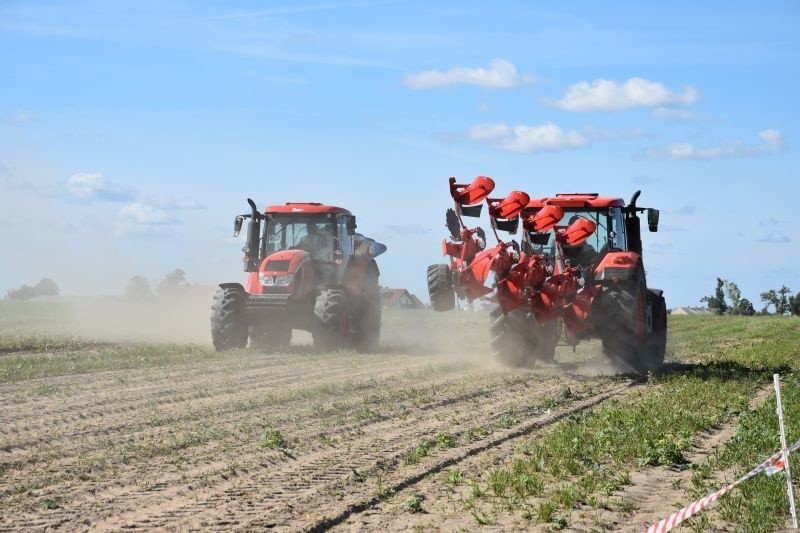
(156,472)
(207,453)
(141,385)
(273,497)
(88,420)
(81,417)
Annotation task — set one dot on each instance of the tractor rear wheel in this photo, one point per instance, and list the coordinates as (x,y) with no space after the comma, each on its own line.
(270,337)
(518,340)
(331,308)
(440,287)
(367,323)
(228,321)
(624,331)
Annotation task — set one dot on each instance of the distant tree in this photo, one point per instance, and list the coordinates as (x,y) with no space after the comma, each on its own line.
(138,289)
(794,304)
(738,305)
(26,292)
(784,297)
(172,282)
(781,300)
(45,287)
(745,307)
(734,295)
(717,301)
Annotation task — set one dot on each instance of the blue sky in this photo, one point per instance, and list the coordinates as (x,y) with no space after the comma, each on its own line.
(132,132)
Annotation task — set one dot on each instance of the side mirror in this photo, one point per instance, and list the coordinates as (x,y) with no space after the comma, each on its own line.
(652,219)
(237,225)
(351,226)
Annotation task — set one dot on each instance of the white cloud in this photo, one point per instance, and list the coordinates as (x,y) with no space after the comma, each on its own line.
(772,142)
(529,139)
(140,214)
(90,186)
(608,95)
(501,74)
(775,236)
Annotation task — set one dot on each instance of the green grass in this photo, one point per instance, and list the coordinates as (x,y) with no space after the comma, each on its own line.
(722,362)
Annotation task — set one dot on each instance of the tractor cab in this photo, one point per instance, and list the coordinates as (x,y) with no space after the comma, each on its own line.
(608,225)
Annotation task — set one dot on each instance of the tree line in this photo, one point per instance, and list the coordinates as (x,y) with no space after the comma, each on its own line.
(727,300)
(137,289)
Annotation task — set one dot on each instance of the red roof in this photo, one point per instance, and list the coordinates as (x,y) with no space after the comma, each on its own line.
(577,199)
(306,207)
(392,297)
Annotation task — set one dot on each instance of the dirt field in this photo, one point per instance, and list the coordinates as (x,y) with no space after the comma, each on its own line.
(405,438)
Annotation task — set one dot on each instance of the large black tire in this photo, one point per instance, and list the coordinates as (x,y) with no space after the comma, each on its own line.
(228,321)
(332,331)
(440,287)
(518,340)
(624,325)
(367,323)
(270,337)
(657,337)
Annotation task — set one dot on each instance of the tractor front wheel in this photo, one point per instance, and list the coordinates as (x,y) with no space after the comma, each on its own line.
(657,339)
(228,321)
(440,287)
(332,330)
(624,331)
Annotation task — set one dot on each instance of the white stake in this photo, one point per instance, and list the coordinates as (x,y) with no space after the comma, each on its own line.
(789,489)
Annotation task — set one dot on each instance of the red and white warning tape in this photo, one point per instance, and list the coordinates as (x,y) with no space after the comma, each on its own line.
(771,465)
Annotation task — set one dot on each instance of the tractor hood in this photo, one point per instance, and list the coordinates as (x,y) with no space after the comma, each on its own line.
(283,272)
(283,262)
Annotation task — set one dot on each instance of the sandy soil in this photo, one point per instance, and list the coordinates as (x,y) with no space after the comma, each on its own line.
(292,441)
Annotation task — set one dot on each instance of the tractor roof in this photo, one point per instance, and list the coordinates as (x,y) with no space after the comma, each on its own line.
(307,208)
(589,200)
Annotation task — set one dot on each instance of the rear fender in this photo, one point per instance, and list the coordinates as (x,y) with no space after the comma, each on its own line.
(617,266)
(356,270)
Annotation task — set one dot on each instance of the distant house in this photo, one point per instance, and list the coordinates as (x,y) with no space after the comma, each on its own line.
(400,299)
(692,311)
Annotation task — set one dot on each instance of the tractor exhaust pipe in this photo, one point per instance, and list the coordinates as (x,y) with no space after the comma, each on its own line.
(250,249)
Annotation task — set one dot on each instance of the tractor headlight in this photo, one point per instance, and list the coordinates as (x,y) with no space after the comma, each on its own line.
(284,280)
(281,280)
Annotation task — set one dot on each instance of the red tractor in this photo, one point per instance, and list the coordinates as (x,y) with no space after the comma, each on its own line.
(308,269)
(579,262)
